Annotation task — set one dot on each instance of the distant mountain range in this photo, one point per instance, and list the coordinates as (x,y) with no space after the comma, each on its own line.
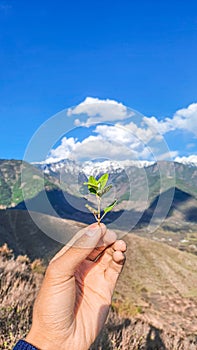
(137,186)
(138,173)
(133,181)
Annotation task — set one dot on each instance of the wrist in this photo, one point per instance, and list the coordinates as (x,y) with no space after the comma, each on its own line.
(38,341)
(24,345)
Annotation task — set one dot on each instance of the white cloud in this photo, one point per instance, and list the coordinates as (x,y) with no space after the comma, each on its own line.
(113,142)
(64,150)
(99,111)
(128,133)
(91,148)
(187,160)
(116,133)
(183,119)
(108,110)
(159,126)
(99,148)
(143,134)
(120,141)
(168,155)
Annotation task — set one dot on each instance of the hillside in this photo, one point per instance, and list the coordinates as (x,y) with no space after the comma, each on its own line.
(11,186)
(154,305)
(17,228)
(161,282)
(23,236)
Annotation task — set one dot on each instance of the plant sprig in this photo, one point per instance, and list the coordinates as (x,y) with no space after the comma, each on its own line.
(99,188)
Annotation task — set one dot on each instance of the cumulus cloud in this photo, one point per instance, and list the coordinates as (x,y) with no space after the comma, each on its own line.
(91,147)
(99,111)
(112,141)
(135,138)
(116,133)
(107,110)
(183,119)
(64,150)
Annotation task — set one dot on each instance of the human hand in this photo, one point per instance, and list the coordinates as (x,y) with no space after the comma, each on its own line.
(74,299)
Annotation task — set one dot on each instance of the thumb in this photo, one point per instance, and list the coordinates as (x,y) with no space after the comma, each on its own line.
(68,259)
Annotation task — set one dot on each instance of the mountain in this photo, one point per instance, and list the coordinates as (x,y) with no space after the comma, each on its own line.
(135,176)
(137,188)
(137,182)
(12,187)
(179,229)
(23,236)
(90,167)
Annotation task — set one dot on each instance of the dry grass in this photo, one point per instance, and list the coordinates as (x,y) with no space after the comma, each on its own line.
(18,285)
(20,281)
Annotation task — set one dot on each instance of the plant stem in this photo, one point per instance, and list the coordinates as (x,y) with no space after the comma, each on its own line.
(102,216)
(99,209)
(95,217)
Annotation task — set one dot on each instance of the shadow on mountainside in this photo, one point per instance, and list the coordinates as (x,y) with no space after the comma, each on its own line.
(24,237)
(64,215)
(64,205)
(191,214)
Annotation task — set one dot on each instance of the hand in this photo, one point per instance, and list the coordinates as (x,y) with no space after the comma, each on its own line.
(74,299)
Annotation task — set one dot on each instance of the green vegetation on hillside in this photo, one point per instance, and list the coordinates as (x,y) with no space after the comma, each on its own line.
(11,186)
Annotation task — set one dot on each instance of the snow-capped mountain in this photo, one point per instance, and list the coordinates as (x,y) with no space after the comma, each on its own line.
(190,161)
(89,167)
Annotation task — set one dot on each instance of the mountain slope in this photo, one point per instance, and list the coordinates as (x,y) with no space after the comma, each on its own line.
(11,184)
(161,282)
(23,236)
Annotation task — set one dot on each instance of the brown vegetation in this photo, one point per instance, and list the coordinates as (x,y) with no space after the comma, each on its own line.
(129,325)
(19,283)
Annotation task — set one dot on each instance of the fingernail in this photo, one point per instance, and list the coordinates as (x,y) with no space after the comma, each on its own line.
(91,231)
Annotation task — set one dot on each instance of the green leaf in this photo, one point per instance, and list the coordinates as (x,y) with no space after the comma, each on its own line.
(92,184)
(92,189)
(110,207)
(93,210)
(103,180)
(92,181)
(104,190)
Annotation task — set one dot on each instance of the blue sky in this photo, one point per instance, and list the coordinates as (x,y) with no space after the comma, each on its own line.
(55,54)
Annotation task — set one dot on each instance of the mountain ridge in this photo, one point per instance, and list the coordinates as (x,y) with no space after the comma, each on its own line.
(132,183)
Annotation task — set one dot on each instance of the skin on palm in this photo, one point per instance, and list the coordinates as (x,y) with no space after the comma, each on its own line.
(76,293)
